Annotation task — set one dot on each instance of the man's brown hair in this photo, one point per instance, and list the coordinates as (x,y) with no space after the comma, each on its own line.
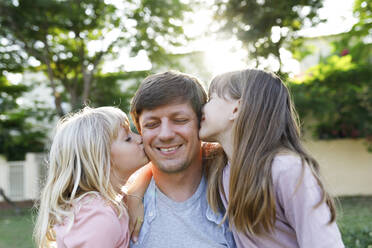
(166,88)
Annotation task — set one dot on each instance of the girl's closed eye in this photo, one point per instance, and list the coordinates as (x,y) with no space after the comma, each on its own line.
(128,139)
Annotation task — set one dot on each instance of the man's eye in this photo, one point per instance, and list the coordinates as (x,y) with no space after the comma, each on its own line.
(181,120)
(150,125)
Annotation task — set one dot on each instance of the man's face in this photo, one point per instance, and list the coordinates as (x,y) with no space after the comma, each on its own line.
(170,136)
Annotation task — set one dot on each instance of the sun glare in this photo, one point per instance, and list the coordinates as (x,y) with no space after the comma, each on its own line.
(219,55)
(339,18)
(223,56)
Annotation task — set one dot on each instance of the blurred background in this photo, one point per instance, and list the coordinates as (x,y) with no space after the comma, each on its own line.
(58,55)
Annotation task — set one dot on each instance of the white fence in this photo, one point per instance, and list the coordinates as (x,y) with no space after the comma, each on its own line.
(21,180)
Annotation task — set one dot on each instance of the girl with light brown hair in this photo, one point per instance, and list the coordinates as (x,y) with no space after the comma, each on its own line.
(268,184)
(92,155)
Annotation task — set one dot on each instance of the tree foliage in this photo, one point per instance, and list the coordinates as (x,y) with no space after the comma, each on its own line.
(266,26)
(69,40)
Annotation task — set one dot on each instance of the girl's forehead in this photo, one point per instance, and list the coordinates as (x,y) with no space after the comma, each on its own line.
(124,129)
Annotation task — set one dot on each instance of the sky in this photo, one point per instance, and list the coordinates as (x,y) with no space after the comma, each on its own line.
(339,18)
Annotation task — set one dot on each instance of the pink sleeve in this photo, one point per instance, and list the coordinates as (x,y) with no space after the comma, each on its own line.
(96,226)
(298,201)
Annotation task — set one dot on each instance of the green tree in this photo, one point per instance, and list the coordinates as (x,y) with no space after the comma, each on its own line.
(266,26)
(115,89)
(337,92)
(358,42)
(18,134)
(69,40)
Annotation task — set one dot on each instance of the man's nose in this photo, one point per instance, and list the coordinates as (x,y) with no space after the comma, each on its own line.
(166,131)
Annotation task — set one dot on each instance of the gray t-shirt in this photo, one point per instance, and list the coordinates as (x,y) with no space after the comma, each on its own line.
(181,224)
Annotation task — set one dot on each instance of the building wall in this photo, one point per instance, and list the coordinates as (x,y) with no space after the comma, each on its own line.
(345,164)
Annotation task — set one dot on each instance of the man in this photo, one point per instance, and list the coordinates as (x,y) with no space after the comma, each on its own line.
(167,110)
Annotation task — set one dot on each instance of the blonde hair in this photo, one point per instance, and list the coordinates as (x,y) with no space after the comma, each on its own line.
(79,163)
(267,124)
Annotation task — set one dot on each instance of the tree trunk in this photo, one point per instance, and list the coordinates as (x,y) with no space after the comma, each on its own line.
(87,78)
(57,96)
(72,89)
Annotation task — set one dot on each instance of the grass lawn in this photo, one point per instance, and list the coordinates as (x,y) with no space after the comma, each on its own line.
(16,230)
(355,222)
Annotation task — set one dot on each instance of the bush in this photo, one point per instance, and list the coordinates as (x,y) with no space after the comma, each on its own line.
(336,93)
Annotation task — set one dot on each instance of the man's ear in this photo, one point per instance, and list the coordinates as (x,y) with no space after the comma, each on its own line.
(235,110)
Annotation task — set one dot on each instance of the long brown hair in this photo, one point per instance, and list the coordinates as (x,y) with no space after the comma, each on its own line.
(267,124)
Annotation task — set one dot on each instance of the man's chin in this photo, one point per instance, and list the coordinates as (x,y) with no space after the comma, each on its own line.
(172,168)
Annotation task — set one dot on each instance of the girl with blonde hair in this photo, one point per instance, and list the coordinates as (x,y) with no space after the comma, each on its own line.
(92,155)
(268,184)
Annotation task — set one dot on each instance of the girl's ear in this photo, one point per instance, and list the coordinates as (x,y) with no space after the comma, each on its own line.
(235,110)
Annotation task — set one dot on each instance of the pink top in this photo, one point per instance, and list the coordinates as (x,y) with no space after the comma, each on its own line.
(297,224)
(96,224)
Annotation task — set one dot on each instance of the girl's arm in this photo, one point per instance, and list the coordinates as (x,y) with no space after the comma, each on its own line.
(298,194)
(136,189)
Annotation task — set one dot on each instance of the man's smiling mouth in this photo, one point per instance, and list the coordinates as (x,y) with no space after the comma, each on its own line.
(168,149)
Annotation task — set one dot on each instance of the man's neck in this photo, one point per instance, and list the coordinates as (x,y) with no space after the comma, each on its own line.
(179,186)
